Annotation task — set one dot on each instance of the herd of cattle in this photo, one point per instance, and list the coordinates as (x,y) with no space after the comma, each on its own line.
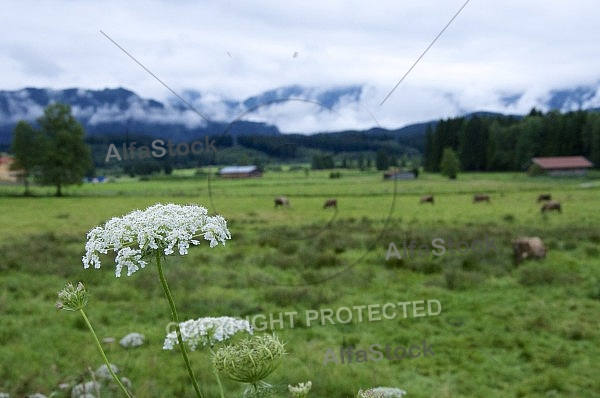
(283,201)
(546,197)
(523,247)
(548,206)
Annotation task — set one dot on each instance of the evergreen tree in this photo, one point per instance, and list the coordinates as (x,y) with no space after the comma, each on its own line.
(428,152)
(382,161)
(25,145)
(361,162)
(592,138)
(535,112)
(529,137)
(473,143)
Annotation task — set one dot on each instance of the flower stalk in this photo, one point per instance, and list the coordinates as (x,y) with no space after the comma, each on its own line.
(75,298)
(175,319)
(114,376)
(218,381)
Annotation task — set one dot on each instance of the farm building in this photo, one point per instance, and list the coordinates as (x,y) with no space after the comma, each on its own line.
(399,175)
(563,165)
(6,174)
(240,172)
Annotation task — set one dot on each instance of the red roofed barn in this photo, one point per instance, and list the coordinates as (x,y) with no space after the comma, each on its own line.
(563,165)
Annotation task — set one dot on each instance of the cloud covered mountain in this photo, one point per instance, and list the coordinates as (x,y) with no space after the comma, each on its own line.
(290,109)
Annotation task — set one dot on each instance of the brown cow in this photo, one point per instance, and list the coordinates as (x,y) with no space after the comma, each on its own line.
(330,203)
(551,206)
(544,197)
(528,247)
(282,201)
(427,199)
(481,198)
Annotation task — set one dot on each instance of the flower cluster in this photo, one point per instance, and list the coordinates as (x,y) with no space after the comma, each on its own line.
(132,340)
(103,373)
(301,390)
(72,298)
(251,360)
(207,331)
(163,228)
(381,392)
(369,394)
(85,390)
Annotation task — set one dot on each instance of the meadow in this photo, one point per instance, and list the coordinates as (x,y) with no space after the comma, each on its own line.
(504,331)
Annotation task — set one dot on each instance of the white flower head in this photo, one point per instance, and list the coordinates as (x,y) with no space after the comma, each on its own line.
(382,392)
(85,389)
(132,340)
(103,373)
(369,394)
(301,390)
(206,331)
(140,234)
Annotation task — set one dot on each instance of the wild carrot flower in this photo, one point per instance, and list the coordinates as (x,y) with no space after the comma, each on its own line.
(251,360)
(132,340)
(369,394)
(103,373)
(72,298)
(389,392)
(207,331)
(301,390)
(160,228)
(381,392)
(84,390)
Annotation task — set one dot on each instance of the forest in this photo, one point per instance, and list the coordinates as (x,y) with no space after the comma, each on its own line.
(482,142)
(507,143)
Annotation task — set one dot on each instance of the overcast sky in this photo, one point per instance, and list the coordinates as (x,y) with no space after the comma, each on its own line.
(241,48)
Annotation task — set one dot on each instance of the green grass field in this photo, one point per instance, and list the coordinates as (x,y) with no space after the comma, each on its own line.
(504,331)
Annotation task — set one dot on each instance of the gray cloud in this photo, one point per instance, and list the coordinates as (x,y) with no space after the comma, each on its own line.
(528,47)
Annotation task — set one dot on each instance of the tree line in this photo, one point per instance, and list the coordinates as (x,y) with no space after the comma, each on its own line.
(507,143)
(55,152)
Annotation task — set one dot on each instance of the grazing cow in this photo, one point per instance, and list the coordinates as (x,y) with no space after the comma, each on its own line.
(551,206)
(544,197)
(427,199)
(330,203)
(481,198)
(282,201)
(528,248)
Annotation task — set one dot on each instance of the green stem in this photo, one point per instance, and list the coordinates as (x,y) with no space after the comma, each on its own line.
(175,318)
(218,378)
(114,376)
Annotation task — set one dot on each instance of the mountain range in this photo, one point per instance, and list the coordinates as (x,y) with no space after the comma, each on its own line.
(193,114)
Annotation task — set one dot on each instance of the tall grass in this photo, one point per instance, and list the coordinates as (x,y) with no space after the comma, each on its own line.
(525,331)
